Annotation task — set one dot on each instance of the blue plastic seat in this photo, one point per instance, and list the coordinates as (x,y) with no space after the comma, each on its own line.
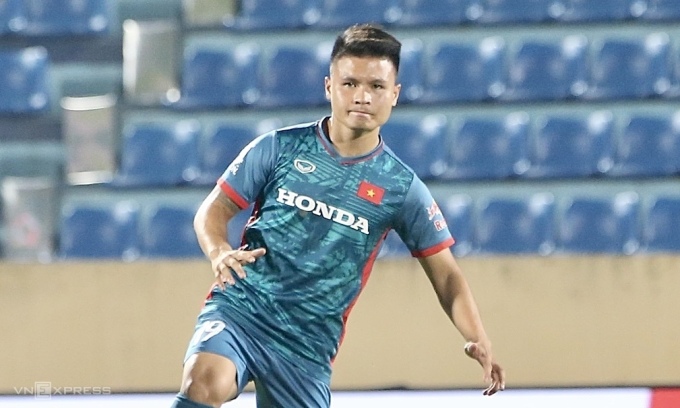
(421,144)
(465,72)
(661,10)
(219,77)
(601,224)
(541,70)
(508,11)
(12,16)
(631,68)
(428,13)
(344,13)
(648,146)
(24,80)
(159,154)
(67,17)
(489,148)
(516,225)
(571,146)
(100,231)
(275,14)
(411,71)
(600,10)
(221,148)
(661,225)
(457,210)
(169,232)
(294,76)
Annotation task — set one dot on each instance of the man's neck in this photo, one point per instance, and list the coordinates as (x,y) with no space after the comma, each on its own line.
(349,143)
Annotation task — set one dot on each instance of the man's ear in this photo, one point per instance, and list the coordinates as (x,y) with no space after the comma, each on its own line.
(397,90)
(327,87)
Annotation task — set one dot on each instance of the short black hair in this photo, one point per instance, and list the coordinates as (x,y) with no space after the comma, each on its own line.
(367,40)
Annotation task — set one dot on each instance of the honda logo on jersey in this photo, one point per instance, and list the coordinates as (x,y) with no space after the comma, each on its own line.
(323,210)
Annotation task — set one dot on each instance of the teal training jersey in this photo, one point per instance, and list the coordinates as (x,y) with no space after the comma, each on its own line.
(322,219)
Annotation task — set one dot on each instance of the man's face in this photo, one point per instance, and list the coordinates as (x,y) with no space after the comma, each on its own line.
(362,91)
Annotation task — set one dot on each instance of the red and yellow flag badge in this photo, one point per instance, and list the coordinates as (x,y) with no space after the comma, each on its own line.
(370,192)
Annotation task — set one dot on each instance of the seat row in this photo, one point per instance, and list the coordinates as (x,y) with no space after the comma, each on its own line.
(538,224)
(444,72)
(127,230)
(283,14)
(490,69)
(54,17)
(78,17)
(436,147)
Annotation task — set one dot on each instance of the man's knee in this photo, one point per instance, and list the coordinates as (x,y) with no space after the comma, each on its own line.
(209,379)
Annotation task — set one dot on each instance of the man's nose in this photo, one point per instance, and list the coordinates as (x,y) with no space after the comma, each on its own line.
(362,96)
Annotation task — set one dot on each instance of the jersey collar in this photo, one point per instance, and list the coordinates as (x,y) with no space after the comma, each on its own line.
(325,140)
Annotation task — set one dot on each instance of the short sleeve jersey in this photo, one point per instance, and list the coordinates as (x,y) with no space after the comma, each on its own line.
(322,219)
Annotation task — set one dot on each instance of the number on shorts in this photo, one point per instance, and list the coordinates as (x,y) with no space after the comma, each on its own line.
(208,330)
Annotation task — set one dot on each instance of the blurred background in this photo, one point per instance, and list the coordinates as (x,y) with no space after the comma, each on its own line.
(548,131)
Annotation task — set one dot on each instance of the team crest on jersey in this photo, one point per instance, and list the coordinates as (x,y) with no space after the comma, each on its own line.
(337,215)
(304,166)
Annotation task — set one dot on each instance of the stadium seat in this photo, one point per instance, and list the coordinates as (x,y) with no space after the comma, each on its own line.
(541,70)
(344,13)
(648,146)
(275,14)
(100,231)
(457,211)
(631,68)
(465,72)
(67,17)
(411,71)
(516,225)
(600,225)
(24,80)
(169,232)
(660,10)
(428,13)
(507,11)
(591,11)
(294,76)
(571,146)
(159,154)
(12,16)
(489,148)
(219,77)
(221,148)
(421,144)
(661,225)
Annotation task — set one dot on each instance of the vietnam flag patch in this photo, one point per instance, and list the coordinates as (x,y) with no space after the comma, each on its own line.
(370,192)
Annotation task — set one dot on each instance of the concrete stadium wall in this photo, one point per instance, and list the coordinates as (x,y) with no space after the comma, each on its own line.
(555,321)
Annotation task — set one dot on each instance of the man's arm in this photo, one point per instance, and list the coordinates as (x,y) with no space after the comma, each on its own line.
(210,225)
(456,299)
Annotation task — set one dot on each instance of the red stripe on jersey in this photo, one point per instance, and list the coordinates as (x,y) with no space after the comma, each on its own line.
(434,249)
(665,398)
(364,279)
(231,193)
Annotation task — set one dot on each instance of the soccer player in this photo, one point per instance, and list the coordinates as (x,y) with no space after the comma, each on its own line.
(325,195)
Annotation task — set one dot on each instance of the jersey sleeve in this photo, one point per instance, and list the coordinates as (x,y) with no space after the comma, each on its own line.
(421,224)
(246,176)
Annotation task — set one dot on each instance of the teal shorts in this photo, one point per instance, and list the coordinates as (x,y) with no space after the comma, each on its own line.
(278,382)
